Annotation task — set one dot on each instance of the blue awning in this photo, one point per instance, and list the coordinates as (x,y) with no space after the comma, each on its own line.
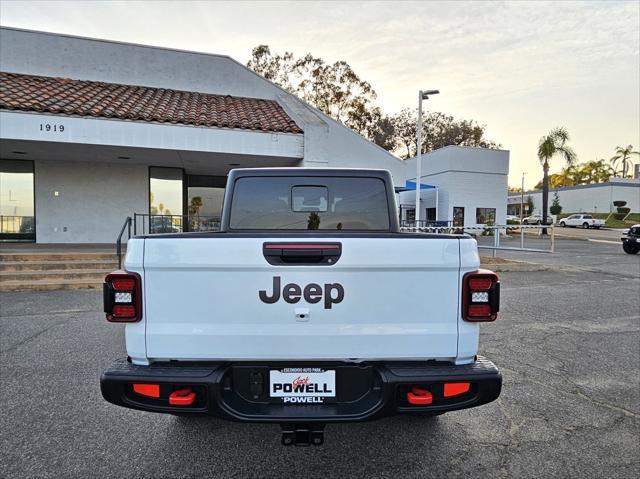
(411,186)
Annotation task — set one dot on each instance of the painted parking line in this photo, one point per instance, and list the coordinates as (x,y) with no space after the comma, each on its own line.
(603,241)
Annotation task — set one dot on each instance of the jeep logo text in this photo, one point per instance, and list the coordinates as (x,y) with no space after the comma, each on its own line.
(333,293)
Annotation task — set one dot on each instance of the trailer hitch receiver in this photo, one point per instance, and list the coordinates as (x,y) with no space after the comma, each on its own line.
(302,434)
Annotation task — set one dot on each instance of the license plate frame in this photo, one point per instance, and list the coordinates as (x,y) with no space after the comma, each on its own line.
(302,385)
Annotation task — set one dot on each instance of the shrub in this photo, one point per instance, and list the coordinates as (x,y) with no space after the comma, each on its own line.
(619,203)
(555,208)
(623,210)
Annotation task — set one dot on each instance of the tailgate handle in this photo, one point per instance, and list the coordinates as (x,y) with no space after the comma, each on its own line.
(302,253)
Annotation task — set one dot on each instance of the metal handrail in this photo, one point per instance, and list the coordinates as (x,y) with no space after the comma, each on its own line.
(144,223)
(426,224)
(16,223)
(127,226)
(495,231)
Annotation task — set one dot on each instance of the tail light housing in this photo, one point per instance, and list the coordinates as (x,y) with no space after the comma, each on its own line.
(122,296)
(480,296)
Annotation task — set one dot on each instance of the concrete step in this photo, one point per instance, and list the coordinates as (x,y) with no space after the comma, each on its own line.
(66,256)
(58,265)
(47,285)
(91,275)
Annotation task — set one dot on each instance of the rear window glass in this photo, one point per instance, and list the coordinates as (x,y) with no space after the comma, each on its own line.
(318,203)
(587,217)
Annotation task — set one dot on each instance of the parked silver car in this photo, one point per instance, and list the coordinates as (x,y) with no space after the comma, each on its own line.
(536,220)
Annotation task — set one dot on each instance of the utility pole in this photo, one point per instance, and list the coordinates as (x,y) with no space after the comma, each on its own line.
(422,95)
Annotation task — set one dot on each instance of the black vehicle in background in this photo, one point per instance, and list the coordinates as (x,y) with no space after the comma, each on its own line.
(631,242)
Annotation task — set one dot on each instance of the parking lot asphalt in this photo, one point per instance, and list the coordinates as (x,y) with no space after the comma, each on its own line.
(606,258)
(567,342)
(609,234)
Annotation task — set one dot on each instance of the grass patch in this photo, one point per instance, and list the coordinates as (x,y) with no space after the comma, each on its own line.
(615,223)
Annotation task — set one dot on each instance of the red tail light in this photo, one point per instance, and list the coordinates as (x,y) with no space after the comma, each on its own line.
(122,295)
(480,296)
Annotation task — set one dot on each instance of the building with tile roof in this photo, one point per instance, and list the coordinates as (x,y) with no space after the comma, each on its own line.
(95,131)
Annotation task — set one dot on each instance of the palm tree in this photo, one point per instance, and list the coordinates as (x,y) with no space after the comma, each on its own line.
(623,157)
(551,145)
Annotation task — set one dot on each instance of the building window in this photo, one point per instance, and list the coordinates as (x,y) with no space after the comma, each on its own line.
(204,201)
(166,199)
(411,216)
(486,216)
(17,212)
(458,216)
(431,214)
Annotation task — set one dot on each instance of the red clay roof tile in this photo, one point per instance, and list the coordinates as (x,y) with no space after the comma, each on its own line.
(128,102)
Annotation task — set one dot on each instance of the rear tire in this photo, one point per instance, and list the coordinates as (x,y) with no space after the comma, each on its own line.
(525,222)
(629,248)
(563,224)
(585,226)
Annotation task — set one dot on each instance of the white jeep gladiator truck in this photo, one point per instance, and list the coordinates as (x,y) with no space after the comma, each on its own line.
(308,307)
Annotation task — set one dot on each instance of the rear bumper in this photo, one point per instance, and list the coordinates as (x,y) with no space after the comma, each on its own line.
(365,391)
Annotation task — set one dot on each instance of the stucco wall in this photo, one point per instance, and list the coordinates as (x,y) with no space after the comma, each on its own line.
(92,203)
(592,199)
(467,177)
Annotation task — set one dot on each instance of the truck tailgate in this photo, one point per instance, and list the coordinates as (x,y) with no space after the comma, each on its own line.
(400,300)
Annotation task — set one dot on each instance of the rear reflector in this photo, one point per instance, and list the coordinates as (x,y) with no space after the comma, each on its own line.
(123,311)
(455,389)
(480,283)
(123,284)
(149,390)
(479,310)
(419,396)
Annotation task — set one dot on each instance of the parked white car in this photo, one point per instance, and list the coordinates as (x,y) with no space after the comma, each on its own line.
(536,219)
(582,221)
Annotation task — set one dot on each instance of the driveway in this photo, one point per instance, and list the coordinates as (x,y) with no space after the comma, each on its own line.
(567,342)
(591,234)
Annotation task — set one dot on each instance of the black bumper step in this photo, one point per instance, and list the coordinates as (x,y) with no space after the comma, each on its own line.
(365,391)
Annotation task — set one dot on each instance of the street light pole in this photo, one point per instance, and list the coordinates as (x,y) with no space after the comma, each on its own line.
(422,95)
(522,197)
(521,208)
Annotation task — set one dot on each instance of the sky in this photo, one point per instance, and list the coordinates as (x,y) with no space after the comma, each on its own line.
(520,68)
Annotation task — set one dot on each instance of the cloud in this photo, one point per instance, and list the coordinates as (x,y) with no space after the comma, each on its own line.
(519,67)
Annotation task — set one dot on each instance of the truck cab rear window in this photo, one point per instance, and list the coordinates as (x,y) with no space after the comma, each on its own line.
(317,203)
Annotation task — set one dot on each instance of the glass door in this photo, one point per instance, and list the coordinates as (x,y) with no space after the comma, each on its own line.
(17,210)
(166,200)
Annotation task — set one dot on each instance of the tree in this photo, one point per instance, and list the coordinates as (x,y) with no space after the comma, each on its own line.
(596,171)
(552,145)
(530,205)
(438,130)
(514,189)
(623,158)
(555,209)
(195,205)
(336,90)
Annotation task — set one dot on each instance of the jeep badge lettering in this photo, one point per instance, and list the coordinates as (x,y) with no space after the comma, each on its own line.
(312,293)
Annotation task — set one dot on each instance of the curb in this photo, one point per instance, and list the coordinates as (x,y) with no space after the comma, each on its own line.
(517,266)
